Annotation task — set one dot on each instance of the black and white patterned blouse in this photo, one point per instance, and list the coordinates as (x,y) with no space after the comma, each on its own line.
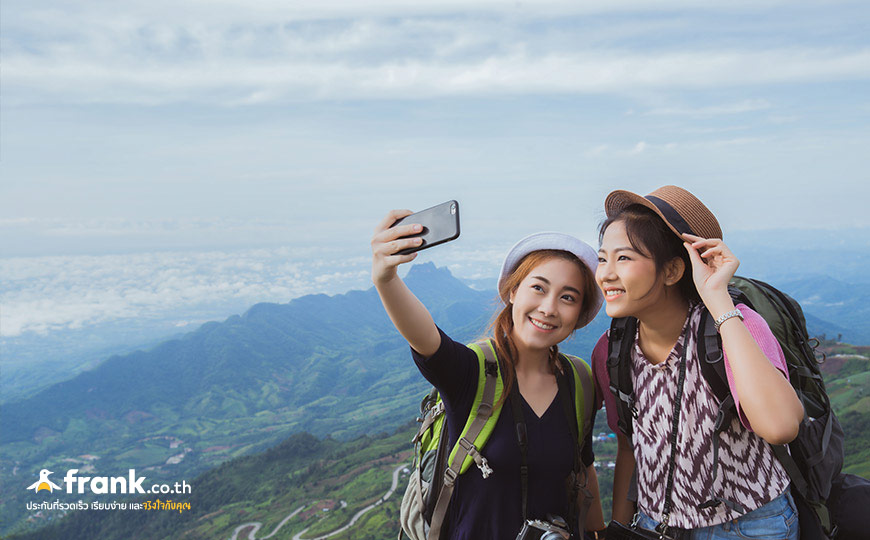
(748,472)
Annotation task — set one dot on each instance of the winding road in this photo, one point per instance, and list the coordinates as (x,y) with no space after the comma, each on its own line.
(256,525)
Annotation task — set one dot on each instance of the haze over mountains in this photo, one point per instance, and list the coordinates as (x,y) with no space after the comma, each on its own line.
(293,354)
(326,365)
(73,312)
(331,366)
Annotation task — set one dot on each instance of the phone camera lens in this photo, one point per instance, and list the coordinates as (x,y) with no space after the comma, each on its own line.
(453,208)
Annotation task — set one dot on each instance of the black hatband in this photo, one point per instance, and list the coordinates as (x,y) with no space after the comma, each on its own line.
(671,215)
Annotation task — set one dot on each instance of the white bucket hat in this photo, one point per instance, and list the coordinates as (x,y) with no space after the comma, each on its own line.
(561,242)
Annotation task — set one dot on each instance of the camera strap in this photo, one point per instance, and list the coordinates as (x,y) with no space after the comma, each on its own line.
(564,395)
(522,440)
(662,528)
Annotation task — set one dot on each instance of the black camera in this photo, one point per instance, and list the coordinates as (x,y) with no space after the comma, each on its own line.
(554,529)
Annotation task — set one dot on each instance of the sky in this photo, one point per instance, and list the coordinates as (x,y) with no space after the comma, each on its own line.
(156,155)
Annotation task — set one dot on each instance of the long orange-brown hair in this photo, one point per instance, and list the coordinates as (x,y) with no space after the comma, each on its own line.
(502,324)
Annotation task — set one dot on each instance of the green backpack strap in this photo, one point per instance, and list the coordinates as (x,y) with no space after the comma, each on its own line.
(475,434)
(584,395)
(483,417)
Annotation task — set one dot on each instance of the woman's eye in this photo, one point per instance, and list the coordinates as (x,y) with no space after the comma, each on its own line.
(601,260)
(623,258)
(568,297)
(537,287)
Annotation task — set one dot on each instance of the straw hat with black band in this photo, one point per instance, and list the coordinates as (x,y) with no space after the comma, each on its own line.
(680,210)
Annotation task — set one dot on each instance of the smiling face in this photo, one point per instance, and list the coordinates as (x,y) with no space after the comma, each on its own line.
(628,278)
(546,304)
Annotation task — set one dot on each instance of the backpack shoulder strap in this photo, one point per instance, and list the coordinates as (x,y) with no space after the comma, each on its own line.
(483,416)
(584,411)
(584,395)
(620,342)
(711,357)
(712,362)
(478,428)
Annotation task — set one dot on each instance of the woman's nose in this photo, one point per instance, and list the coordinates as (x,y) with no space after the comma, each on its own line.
(548,305)
(604,272)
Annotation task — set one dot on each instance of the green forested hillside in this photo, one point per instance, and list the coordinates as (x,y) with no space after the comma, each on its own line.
(306,479)
(847,374)
(330,481)
(326,365)
(330,366)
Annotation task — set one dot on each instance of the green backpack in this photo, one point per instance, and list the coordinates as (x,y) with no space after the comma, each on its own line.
(437,467)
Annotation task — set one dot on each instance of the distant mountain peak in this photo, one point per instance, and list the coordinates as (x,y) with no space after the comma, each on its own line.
(437,287)
(428,269)
(427,275)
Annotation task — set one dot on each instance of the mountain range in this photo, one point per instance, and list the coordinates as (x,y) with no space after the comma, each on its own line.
(327,365)
(307,487)
(835,261)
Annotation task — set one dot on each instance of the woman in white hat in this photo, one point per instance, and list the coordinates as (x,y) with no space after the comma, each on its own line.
(548,289)
(661,264)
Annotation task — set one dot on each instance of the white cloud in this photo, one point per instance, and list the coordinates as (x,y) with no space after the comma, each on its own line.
(783,119)
(42,294)
(234,53)
(45,294)
(214,12)
(235,81)
(749,105)
(643,147)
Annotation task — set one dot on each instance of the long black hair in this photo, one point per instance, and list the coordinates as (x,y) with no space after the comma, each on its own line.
(650,236)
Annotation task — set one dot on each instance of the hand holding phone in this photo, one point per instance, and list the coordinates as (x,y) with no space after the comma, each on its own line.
(440,224)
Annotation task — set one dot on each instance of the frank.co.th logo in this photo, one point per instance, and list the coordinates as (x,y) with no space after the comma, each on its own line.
(100,485)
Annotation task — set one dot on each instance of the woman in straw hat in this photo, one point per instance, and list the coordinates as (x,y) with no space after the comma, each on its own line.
(548,290)
(661,260)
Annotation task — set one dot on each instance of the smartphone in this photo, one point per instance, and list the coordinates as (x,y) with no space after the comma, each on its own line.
(440,224)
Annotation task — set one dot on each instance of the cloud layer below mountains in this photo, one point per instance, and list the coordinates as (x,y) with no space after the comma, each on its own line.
(45,294)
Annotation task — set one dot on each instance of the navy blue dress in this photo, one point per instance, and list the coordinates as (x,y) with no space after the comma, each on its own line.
(491,508)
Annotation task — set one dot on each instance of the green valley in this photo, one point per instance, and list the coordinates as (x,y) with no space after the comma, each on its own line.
(215,408)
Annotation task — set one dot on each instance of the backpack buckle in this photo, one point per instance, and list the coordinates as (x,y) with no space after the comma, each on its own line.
(479,459)
(450,477)
(628,399)
(662,528)
(466,445)
(491,369)
(485,469)
(631,407)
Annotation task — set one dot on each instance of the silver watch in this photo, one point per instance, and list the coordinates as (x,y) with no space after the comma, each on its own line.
(727,315)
